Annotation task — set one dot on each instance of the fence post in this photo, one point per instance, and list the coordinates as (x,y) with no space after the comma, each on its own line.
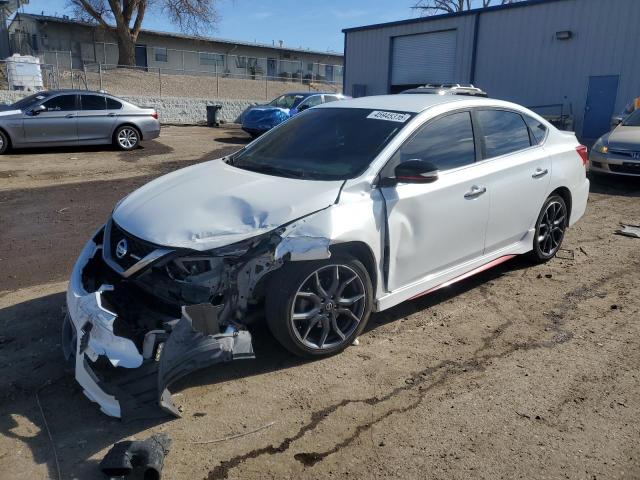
(100,74)
(217,80)
(266,86)
(160,81)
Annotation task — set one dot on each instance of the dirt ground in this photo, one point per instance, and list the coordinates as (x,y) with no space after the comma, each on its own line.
(521,372)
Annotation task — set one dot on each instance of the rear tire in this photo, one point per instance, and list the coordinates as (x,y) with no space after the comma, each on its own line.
(126,137)
(4,142)
(550,229)
(315,312)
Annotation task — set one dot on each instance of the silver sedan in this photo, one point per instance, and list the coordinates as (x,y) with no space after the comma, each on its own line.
(75,117)
(618,152)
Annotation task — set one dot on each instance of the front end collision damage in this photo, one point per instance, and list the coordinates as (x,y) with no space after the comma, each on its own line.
(132,335)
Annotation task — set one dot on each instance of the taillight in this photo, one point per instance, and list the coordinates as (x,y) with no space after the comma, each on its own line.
(155,115)
(582,151)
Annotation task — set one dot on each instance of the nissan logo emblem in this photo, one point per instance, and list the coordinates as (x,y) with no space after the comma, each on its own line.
(122,248)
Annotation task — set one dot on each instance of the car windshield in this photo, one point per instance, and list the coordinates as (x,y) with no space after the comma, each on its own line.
(323,143)
(287,101)
(632,120)
(27,101)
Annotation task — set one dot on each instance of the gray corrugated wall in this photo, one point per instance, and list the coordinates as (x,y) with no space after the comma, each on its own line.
(368,54)
(518,57)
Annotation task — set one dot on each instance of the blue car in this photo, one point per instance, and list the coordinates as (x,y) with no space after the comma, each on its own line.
(262,118)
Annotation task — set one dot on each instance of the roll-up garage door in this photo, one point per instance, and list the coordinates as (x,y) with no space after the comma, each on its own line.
(424,58)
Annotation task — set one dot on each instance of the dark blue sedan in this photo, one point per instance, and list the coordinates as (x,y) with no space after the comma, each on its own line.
(261,118)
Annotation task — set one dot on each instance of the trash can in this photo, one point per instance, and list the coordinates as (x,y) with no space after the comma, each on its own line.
(212,115)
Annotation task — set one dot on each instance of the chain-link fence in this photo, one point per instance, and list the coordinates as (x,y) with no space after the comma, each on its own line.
(182,73)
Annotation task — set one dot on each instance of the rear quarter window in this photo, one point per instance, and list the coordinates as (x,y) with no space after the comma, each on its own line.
(113,104)
(537,129)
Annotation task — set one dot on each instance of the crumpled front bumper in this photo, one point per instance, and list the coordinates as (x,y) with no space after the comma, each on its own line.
(136,383)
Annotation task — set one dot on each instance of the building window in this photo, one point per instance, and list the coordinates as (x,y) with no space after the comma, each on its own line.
(211,59)
(160,54)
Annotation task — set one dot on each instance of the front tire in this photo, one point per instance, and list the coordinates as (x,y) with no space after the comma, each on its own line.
(318,308)
(127,137)
(550,229)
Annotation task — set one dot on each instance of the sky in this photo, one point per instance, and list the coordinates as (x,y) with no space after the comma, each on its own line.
(299,23)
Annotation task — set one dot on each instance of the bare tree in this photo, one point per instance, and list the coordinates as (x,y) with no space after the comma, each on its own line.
(124,18)
(434,7)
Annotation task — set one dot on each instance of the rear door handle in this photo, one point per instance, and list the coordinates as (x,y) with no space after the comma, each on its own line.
(111,114)
(540,173)
(69,115)
(475,192)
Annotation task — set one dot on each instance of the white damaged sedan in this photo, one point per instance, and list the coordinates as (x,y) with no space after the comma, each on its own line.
(346,209)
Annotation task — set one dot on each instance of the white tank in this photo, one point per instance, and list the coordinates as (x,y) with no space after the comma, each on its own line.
(24,73)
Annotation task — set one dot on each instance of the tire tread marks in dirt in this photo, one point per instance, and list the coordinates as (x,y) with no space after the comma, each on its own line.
(423,381)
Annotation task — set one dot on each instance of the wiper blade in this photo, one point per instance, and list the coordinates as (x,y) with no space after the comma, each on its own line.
(269,169)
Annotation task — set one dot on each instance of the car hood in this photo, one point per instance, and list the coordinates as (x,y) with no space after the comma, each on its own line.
(626,138)
(213,204)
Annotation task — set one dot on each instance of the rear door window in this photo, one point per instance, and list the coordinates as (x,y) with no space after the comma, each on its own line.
(504,132)
(93,102)
(61,103)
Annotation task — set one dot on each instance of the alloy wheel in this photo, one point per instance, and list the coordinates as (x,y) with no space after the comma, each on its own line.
(328,307)
(551,228)
(127,137)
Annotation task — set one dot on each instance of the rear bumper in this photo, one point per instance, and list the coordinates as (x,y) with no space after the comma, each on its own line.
(150,131)
(580,197)
(127,381)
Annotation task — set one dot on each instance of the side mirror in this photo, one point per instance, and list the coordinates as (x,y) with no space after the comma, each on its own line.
(615,121)
(38,109)
(416,171)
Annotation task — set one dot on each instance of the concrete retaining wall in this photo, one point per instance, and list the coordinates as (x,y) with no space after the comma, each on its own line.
(172,110)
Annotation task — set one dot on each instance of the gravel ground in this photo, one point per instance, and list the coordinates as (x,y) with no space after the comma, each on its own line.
(520,372)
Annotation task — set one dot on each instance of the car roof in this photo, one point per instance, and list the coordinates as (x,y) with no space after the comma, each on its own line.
(308,94)
(401,103)
(73,91)
(415,103)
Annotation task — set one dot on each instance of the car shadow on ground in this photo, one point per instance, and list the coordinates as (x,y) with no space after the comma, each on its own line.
(616,185)
(235,140)
(145,149)
(31,350)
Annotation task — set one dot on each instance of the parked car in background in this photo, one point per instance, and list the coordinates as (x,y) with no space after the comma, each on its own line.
(259,119)
(628,110)
(348,208)
(618,152)
(75,117)
(449,89)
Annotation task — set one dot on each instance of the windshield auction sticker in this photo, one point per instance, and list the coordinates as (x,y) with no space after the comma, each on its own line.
(389,116)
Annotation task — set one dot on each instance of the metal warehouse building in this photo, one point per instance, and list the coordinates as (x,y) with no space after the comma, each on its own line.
(575,58)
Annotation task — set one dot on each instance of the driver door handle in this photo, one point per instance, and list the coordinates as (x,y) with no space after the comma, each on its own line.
(539,173)
(69,115)
(475,192)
